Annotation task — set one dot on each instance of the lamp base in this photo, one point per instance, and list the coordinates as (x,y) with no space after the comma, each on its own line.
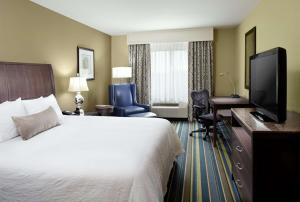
(77,111)
(234,96)
(79,101)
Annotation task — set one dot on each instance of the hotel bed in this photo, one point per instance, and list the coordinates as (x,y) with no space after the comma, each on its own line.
(85,158)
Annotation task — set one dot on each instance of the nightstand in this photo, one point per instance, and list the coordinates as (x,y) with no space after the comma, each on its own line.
(105,110)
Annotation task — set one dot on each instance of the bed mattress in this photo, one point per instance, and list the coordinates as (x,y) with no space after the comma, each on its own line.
(91,159)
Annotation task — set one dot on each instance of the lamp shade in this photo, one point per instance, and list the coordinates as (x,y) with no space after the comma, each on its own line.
(121,72)
(78,84)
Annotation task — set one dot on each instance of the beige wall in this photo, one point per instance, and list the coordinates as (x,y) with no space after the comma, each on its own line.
(171,35)
(224,53)
(277,24)
(30,33)
(119,51)
(119,55)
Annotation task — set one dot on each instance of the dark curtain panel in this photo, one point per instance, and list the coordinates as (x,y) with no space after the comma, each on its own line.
(140,61)
(200,68)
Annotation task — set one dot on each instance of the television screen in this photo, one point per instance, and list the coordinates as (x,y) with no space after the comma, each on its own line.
(268,83)
(263,88)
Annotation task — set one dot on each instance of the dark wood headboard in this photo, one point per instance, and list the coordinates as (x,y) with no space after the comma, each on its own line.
(25,80)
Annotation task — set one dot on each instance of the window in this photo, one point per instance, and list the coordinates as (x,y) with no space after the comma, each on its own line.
(169,73)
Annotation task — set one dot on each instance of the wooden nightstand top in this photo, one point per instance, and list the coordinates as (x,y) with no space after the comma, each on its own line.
(104,110)
(104,107)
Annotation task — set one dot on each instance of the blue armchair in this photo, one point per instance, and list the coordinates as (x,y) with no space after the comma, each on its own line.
(123,98)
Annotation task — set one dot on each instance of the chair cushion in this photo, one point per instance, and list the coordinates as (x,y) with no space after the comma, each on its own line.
(133,110)
(208,117)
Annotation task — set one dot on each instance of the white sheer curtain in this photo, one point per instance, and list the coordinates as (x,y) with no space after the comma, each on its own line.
(169,72)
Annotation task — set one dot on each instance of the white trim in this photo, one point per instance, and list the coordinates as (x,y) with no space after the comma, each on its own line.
(175,35)
(180,111)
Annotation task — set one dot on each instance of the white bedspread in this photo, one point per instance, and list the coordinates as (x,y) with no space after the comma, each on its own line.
(91,159)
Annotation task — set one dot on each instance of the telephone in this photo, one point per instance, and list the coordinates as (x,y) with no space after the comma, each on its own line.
(68,113)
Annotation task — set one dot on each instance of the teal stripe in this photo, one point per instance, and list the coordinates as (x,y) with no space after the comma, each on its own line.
(195,186)
(211,174)
(226,133)
(203,156)
(204,181)
(217,177)
(229,172)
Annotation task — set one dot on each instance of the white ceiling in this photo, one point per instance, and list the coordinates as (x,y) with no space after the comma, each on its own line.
(116,17)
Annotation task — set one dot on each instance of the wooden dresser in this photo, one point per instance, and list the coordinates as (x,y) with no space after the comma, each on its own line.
(265,157)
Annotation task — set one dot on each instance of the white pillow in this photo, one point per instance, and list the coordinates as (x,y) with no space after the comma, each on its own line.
(34,106)
(7,110)
(51,101)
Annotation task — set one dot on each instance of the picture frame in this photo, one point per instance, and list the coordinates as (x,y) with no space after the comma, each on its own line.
(86,63)
(250,49)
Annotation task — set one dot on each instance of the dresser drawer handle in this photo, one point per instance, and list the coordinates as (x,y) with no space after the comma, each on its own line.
(239,148)
(239,166)
(238,183)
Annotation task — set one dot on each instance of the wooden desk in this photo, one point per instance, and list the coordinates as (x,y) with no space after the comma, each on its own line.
(224,103)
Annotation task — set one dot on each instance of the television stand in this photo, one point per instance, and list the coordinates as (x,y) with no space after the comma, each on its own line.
(265,156)
(261,117)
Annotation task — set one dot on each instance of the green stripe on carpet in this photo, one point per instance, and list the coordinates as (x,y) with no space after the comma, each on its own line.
(203,172)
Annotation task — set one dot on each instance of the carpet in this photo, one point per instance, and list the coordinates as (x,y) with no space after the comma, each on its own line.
(203,172)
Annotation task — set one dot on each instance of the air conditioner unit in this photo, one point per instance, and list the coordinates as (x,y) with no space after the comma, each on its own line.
(179,110)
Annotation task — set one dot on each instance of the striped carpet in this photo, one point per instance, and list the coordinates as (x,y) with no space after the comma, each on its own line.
(203,172)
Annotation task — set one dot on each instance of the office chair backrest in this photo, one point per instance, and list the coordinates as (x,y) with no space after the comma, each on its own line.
(200,98)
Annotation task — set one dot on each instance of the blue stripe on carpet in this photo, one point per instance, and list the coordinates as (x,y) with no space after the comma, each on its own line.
(203,172)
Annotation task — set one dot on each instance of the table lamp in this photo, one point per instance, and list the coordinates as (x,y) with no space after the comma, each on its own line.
(78,84)
(121,72)
(234,95)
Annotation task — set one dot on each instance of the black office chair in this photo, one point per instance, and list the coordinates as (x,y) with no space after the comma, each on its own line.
(201,112)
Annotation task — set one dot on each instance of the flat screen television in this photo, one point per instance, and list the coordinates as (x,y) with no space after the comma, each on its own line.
(268,85)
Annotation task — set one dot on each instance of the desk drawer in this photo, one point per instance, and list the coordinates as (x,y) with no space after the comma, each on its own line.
(241,144)
(244,172)
(241,159)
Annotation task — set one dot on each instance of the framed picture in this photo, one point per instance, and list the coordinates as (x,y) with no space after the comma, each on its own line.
(86,63)
(250,49)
